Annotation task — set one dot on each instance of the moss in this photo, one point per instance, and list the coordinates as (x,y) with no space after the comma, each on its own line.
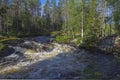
(2,46)
(7,39)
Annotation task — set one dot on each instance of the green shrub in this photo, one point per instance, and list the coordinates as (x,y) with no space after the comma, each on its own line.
(63,39)
(79,41)
(90,42)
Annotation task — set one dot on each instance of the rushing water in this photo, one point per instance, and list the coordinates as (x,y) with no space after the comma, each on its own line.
(42,58)
(33,53)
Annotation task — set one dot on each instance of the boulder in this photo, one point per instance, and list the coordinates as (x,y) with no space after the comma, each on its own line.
(6,51)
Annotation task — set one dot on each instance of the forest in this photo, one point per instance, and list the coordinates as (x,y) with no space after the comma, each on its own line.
(82,19)
(53,28)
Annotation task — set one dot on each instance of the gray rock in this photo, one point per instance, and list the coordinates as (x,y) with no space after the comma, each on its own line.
(6,52)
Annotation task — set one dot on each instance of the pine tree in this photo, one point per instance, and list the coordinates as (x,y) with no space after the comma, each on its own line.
(3,12)
(47,13)
(53,14)
(59,15)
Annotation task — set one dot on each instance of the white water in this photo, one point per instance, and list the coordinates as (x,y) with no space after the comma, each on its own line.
(61,56)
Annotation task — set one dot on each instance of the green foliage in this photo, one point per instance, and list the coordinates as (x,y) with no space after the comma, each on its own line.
(2,46)
(79,41)
(82,15)
(63,39)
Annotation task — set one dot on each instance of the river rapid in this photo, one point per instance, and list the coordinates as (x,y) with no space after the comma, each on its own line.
(43,58)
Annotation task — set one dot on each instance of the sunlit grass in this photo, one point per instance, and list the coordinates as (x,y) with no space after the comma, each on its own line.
(5,39)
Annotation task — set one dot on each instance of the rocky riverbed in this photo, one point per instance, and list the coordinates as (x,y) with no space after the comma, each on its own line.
(43,58)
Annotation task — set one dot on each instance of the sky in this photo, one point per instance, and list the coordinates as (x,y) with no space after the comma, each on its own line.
(43,1)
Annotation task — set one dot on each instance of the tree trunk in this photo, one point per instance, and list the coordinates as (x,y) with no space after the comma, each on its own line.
(0,24)
(82,30)
(104,18)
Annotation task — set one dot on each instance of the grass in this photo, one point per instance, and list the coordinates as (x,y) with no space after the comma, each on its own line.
(5,39)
